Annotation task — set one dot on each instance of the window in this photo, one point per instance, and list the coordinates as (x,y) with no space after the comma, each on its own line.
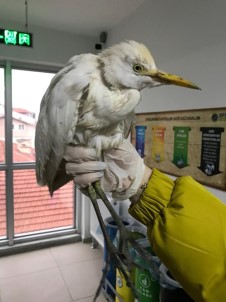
(35,210)
(21,127)
(2,157)
(28,87)
(2,114)
(29,209)
(2,205)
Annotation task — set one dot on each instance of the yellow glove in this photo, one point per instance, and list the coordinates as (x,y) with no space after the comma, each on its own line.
(187,230)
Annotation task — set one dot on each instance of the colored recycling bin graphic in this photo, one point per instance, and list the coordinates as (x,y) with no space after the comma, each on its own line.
(140,139)
(180,152)
(157,143)
(210,150)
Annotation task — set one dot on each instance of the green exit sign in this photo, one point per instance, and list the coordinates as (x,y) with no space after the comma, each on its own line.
(14,37)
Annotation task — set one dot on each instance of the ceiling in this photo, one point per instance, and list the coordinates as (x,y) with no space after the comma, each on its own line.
(86,17)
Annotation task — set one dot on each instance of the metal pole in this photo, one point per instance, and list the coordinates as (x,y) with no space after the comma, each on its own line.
(9,154)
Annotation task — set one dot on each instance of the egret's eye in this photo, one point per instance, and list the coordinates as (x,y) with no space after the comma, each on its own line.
(138,67)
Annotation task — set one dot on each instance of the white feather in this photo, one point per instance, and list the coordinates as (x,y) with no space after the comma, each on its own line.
(90,102)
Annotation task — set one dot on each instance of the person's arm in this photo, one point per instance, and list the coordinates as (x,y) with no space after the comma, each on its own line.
(187,230)
(186,224)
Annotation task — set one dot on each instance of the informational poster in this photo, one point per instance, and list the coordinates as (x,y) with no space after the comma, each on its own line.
(190,142)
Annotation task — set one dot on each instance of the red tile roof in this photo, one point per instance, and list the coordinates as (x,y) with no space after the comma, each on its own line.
(18,156)
(34,209)
(21,110)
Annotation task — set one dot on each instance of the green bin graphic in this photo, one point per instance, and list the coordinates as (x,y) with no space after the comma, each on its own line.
(180,152)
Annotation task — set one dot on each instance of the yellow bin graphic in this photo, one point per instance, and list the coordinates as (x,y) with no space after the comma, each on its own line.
(122,289)
(157,149)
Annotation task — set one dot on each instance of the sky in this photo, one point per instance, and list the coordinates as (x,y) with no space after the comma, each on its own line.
(28,87)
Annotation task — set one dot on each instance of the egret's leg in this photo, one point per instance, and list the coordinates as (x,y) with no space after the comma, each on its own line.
(125,235)
(116,218)
(113,254)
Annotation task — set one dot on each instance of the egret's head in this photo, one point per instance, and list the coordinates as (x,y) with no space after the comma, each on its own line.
(131,65)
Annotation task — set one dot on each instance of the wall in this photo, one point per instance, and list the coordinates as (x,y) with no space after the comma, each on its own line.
(49,46)
(186,38)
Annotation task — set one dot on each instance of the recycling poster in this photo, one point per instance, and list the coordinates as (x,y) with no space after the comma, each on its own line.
(189,142)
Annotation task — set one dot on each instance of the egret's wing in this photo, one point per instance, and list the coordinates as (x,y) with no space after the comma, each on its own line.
(57,121)
(128,122)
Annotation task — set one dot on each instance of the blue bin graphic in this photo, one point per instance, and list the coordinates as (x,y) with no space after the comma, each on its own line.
(140,139)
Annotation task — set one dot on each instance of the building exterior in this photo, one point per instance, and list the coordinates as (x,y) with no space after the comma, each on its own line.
(34,209)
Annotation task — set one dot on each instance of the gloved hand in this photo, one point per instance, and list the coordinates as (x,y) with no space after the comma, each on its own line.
(121,170)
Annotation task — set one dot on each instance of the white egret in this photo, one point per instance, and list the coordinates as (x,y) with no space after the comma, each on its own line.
(91,102)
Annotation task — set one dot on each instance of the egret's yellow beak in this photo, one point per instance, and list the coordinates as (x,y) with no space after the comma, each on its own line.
(167,78)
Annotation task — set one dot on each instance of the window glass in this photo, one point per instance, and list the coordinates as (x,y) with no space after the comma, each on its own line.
(2,205)
(35,210)
(2,116)
(28,88)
